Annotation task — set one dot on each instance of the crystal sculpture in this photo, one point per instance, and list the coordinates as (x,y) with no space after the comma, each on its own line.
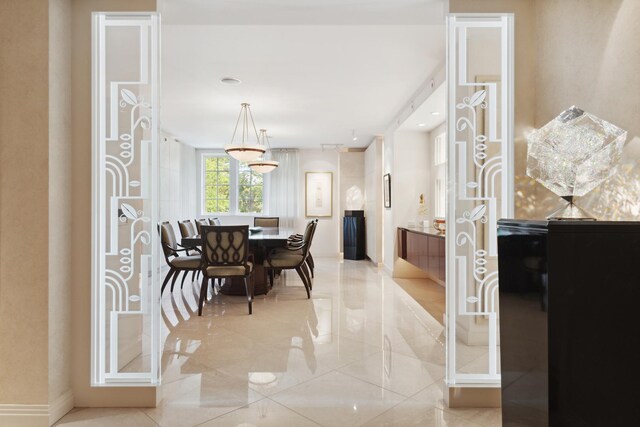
(574,153)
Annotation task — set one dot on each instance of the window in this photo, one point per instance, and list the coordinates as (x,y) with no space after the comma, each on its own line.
(249,190)
(229,187)
(216,184)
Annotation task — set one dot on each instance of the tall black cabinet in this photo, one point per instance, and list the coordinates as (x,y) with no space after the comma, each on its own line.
(569,322)
(353,236)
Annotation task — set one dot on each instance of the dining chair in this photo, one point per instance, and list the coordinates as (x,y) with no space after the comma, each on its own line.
(214,221)
(225,250)
(266,221)
(294,241)
(293,258)
(187,228)
(177,263)
(200,222)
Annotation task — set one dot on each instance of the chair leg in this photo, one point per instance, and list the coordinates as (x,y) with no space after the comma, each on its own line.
(249,294)
(184,276)
(166,280)
(270,274)
(305,270)
(312,264)
(203,294)
(175,277)
(304,280)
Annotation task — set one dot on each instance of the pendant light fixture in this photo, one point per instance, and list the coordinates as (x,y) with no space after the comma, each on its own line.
(244,151)
(264,164)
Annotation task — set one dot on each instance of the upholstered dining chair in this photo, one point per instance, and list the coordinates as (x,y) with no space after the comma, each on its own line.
(266,221)
(187,228)
(294,241)
(200,222)
(293,258)
(177,263)
(225,251)
(214,221)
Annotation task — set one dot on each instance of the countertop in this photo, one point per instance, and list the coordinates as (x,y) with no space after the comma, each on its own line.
(424,230)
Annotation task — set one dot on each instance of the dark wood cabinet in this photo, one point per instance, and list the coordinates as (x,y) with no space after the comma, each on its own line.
(424,248)
(569,293)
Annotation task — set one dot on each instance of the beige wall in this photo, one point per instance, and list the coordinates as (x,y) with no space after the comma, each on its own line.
(374,204)
(575,52)
(525,81)
(24,202)
(81,210)
(59,200)
(351,181)
(588,55)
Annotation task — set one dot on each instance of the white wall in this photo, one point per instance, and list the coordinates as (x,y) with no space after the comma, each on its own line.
(374,206)
(178,183)
(433,171)
(389,236)
(327,238)
(410,179)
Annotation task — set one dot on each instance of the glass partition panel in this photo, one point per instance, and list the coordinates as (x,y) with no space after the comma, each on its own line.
(125,247)
(480,188)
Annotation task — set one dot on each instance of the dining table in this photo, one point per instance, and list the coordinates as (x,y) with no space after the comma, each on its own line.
(261,241)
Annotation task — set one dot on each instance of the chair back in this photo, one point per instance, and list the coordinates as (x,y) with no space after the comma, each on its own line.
(200,222)
(266,221)
(225,245)
(214,221)
(307,237)
(168,239)
(187,229)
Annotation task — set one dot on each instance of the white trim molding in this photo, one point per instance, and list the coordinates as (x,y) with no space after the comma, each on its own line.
(20,415)
(125,311)
(479,188)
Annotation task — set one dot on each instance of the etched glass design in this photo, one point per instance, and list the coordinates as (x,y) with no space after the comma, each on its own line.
(125,155)
(574,153)
(479,189)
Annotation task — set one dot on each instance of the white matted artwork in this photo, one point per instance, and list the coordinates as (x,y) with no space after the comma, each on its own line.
(318,194)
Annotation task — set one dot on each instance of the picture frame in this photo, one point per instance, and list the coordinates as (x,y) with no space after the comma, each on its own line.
(386,179)
(318,194)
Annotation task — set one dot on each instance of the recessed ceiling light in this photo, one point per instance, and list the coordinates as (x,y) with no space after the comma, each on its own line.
(421,124)
(435,113)
(230,80)
(355,138)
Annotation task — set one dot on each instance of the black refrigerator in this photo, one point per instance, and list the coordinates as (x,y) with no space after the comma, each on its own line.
(354,236)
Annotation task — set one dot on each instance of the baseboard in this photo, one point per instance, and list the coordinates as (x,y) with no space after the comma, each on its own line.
(60,407)
(24,415)
(387,270)
(36,415)
(472,396)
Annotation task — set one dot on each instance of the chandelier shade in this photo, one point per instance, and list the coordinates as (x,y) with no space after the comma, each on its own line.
(264,164)
(244,151)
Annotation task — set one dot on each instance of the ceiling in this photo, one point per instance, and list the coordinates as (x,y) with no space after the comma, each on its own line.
(313,71)
(423,118)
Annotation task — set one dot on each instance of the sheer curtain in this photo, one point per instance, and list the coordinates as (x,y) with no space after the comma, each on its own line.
(283,187)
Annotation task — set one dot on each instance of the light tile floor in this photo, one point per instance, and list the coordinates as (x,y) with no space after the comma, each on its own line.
(360,352)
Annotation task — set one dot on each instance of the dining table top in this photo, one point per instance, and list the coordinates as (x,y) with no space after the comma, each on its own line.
(267,236)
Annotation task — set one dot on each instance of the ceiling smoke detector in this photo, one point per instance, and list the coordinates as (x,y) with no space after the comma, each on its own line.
(230,81)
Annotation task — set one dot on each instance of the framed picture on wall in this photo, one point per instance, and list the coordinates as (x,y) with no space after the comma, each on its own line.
(387,190)
(318,194)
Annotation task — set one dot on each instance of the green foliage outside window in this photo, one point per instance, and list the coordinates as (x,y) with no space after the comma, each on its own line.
(250,185)
(216,184)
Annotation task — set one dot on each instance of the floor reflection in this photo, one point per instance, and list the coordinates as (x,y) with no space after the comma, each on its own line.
(361,351)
